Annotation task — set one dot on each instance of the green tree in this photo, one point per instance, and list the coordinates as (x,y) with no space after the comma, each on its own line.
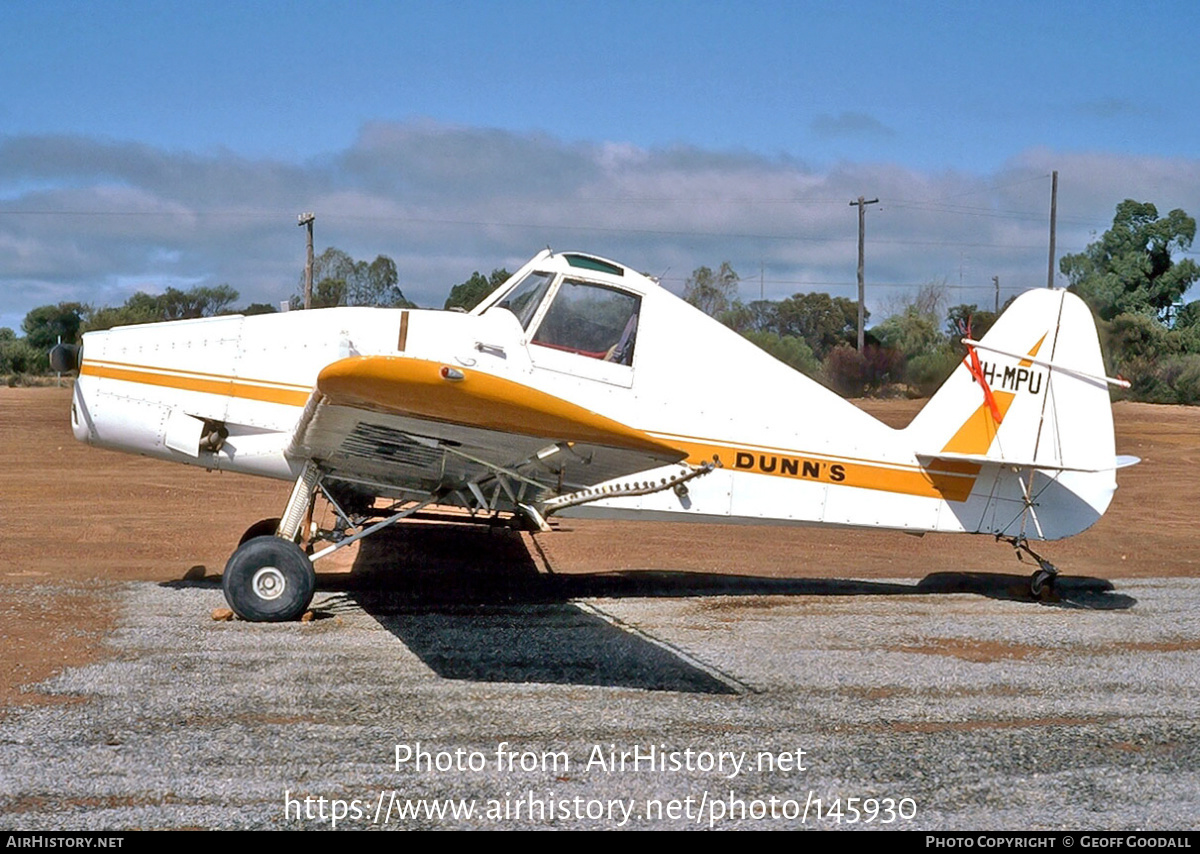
(1133,336)
(373,284)
(1130,269)
(822,321)
(1155,360)
(200,301)
(928,371)
(329,292)
(761,315)
(961,318)
(711,292)
(378,284)
(259,308)
(333,263)
(46,324)
(18,356)
(911,332)
(790,350)
(1188,316)
(171,304)
(139,308)
(466,295)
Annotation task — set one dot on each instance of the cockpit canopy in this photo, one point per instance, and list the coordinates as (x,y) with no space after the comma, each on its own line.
(574,307)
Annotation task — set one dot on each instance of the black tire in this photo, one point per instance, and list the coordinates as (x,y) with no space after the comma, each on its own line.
(1041,585)
(261,528)
(268,580)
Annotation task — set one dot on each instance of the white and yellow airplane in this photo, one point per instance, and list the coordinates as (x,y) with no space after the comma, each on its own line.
(583,388)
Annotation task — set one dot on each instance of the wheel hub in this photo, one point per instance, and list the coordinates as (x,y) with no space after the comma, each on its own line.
(268,583)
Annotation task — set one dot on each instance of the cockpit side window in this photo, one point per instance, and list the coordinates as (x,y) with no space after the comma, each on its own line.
(524,299)
(593,321)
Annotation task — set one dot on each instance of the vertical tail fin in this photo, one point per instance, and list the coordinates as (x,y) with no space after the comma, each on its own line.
(1034,401)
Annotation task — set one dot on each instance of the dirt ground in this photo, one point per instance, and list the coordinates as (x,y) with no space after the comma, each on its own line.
(77,519)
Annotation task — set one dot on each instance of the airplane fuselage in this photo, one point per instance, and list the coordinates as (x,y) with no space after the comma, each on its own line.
(229,393)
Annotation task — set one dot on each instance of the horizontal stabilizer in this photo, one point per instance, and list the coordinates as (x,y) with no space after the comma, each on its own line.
(1119,462)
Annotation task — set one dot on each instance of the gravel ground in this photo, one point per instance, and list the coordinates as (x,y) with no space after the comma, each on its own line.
(985,711)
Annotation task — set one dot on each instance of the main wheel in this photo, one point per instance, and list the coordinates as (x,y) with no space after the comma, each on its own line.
(268,580)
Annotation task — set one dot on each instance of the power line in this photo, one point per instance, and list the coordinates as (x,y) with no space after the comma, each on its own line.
(988,189)
(537,226)
(845,283)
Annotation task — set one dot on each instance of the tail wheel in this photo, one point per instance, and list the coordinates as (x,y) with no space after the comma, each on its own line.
(268,580)
(1041,584)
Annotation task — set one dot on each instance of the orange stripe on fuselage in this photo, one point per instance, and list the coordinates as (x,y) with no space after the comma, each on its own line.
(951,480)
(265,391)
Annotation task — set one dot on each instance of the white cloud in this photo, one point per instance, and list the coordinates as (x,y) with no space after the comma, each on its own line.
(91,220)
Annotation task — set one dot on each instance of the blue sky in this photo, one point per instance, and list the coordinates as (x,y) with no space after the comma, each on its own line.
(150,144)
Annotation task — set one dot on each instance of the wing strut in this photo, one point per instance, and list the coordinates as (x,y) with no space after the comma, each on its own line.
(371,529)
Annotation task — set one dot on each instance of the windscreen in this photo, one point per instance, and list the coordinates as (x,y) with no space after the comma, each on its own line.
(591,320)
(524,299)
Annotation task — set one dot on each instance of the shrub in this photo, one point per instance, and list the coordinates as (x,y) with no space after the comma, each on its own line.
(927,372)
(1139,336)
(854,374)
(1174,379)
(788,349)
(18,356)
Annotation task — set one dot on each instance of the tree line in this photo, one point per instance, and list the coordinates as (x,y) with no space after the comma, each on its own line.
(338,280)
(1135,285)
(1130,277)
(911,352)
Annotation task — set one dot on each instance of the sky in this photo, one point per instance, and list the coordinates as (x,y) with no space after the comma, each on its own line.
(146,145)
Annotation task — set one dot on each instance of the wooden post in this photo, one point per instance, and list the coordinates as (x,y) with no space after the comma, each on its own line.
(307,219)
(1053,221)
(862,224)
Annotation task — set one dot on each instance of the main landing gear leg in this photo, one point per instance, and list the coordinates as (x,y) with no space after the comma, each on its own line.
(1041,583)
(269,578)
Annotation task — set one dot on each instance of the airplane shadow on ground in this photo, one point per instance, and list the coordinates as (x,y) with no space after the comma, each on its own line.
(472,604)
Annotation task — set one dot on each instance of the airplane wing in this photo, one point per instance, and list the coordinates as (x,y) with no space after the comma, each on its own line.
(397,424)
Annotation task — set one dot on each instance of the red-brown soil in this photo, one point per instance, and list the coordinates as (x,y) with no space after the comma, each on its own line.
(77,519)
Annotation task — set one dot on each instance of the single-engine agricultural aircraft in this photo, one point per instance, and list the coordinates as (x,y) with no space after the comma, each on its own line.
(583,388)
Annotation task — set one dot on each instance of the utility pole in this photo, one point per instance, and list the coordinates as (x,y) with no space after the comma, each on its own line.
(1053,222)
(862,225)
(307,219)
(996,282)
